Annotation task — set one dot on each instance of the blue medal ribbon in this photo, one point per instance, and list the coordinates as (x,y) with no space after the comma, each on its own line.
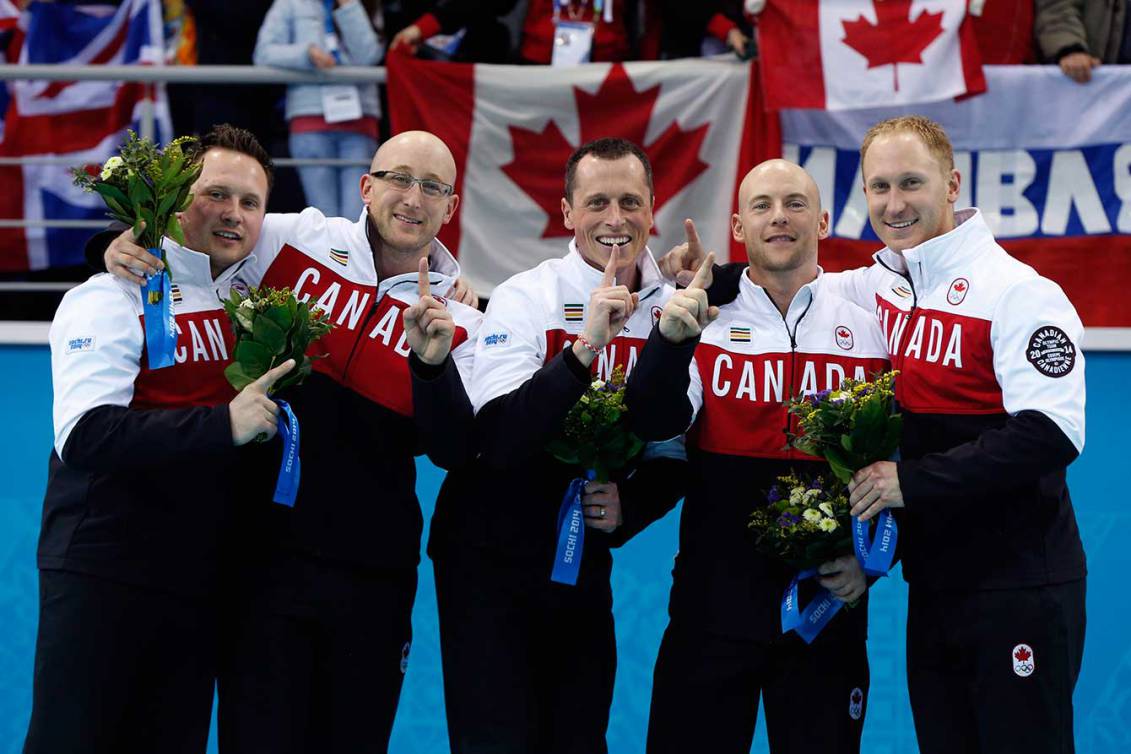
(807,621)
(876,553)
(571,533)
(160,323)
(290,469)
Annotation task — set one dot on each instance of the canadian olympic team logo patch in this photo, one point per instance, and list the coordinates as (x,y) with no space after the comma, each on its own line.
(1051,352)
(843,337)
(856,704)
(656,312)
(957,292)
(1024,663)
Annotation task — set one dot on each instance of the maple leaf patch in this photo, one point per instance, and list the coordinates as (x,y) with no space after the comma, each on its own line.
(616,109)
(894,38)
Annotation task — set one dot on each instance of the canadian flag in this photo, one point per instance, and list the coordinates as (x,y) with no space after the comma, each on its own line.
(852,54)
(512,128)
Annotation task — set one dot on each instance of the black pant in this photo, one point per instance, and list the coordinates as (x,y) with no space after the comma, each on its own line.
(974,688)
(706,687)
(316,660)
(120,669)
(528,664)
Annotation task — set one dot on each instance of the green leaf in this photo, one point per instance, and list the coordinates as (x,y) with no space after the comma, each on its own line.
(255,357)
(281,316)
(106,191)
(166,205)
(237,377)
(270,335)
(173,230)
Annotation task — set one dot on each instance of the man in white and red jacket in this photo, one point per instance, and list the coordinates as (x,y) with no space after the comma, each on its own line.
(320,627)
(991,388)
(529,664)
(727,373)
(143,486)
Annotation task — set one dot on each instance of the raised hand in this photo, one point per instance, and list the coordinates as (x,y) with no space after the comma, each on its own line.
(428,324)
(687,311)
(610,306)
(125,259)
(681,263)
(252,413)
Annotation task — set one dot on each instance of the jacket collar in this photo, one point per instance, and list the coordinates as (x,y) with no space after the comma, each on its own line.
(195,268)
(944,257)
(650,277)
(755,298)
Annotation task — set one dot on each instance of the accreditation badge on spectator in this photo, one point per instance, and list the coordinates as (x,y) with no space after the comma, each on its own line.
(340,103)
(573,43)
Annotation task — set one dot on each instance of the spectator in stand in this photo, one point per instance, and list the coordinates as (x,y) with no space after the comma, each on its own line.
(1078,35)
(693,29)
(621,29)
(476,35)
(337,121)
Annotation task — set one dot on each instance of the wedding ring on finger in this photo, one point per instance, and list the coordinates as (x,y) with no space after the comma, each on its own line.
(602,513)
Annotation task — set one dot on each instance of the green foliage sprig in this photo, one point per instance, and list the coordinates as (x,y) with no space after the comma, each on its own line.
(272,326)
(851,427)
(144,184)
(595,432)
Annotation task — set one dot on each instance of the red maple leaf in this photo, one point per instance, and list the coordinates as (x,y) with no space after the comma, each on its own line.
(894,38)
(617,109)
(843,333)
(1022,654)
(960,287)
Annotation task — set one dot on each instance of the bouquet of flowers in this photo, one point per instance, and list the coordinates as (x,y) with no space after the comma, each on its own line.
(805,523)
(145,184)
(271,326)
(595,434)
(851,427)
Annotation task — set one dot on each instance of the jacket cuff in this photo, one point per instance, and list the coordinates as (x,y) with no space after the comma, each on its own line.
(427,372)
(579,370)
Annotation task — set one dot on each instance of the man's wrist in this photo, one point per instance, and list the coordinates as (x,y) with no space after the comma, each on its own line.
(584,350)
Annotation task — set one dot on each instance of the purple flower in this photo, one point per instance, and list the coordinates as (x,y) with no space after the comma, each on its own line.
(773,495)
(815,484)
(788,520)
(818,398)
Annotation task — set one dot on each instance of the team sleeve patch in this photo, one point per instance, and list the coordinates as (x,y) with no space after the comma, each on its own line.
(80,344)
(1051,352)
(497,339)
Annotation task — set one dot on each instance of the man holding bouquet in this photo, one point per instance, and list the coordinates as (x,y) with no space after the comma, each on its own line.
(726,372)
(529,663)
(991,388)
(143,485)
(322,617)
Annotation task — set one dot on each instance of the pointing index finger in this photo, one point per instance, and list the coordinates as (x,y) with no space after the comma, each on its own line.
(423,286)
(271,376)
(702,277)
(694,245)
(610,275)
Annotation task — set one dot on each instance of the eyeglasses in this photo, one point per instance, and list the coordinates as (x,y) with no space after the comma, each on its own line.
(404,181)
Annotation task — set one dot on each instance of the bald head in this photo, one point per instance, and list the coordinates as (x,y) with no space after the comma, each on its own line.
(775,173)
(419,153)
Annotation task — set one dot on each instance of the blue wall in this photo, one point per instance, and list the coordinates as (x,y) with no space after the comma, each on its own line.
(640,583)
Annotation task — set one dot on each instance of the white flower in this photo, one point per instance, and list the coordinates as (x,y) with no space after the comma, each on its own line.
(840,396)
(110,166)
(811,495)
(827,509)
(597,384)
(827,524)
(247,304)
(796,496)
(814,515)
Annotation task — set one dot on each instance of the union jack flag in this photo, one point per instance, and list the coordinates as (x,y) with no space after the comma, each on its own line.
(83,122)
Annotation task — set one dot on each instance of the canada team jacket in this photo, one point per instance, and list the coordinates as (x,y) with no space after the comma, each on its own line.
(991,387)
(526,380)
(141,475)
(730,386)
(363,416)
